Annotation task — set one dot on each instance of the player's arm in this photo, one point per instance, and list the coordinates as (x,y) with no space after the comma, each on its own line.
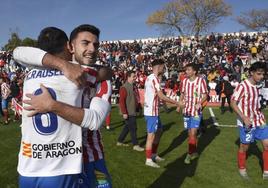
(204,90)
(238,93)
(34,57)
(203,99)
(244,118)
(91,118)
(165,98)
(160,93)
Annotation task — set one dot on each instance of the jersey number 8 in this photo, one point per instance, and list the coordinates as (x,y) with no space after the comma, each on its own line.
(45,123)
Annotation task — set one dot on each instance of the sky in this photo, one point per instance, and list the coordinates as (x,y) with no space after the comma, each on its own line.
(117,19)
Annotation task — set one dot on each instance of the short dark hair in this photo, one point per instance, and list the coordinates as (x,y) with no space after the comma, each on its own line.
(195,67)
(52,40)
(158,62)
(257,66)
(129,73)
(84,27)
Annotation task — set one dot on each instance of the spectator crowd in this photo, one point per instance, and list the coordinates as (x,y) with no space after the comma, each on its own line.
(223,58)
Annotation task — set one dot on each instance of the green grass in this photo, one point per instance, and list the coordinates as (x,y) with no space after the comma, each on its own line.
(216,166)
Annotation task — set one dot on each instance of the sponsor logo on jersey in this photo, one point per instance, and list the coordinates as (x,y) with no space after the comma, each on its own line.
(52,150)
(26,149)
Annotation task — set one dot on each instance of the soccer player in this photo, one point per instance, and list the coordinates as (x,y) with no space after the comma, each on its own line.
(51,149)
(251,121)
(152,94)
(95,173)
(193,94)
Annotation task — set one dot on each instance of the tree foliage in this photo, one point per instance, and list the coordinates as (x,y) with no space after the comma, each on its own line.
(15,41)
(254,19)
(189,16)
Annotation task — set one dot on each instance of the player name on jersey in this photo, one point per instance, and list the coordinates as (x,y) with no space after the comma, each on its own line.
(43,74)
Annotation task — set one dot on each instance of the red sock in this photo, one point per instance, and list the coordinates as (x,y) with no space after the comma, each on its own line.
(265,160)
(192,145)
(148,153)
(241,158)
(108,120)
(154,148)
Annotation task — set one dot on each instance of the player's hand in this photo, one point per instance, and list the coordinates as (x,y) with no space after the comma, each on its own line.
(178,109)
(39,103)
(75,73)
(182,104)
(246,121)
(197,106)
(125,116)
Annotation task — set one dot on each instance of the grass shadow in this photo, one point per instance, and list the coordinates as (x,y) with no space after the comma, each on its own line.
(177,171)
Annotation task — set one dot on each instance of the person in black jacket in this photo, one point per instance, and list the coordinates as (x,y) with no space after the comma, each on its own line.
(226,93)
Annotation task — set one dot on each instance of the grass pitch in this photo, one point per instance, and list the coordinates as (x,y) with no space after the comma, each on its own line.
(215,168)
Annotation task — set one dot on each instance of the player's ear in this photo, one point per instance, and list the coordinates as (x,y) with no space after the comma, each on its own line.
(70,47)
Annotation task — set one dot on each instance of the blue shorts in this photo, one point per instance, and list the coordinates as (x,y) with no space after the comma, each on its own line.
(64,181)
(153,123)
(95,175)
(4,103)
(249,136)
(191,122)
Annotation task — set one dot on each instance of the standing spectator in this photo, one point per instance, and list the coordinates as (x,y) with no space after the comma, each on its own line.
(15,93)
(128,105)
(226,93)
(5,93)
(254,51)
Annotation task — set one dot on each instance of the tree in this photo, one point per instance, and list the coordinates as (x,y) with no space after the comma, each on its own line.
(28,42)
(254,19)
(15,41)
(189,16)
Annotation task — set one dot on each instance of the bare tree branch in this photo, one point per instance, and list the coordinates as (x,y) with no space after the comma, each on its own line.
(190,16)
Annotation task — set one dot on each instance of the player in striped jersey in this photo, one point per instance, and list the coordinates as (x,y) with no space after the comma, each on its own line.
(193,94)
(152,94)
(95,173)
(251,121)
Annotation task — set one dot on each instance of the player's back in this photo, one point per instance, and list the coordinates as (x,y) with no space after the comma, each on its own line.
(50,145)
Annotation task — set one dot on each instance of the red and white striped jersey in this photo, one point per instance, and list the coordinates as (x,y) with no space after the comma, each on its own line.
(92,145)
(5,90)
(92,140)
(193,92)
(247,97)
(104,90)
(91,77)
(151,99)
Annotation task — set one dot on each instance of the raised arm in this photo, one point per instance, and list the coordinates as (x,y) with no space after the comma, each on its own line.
(37,58)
